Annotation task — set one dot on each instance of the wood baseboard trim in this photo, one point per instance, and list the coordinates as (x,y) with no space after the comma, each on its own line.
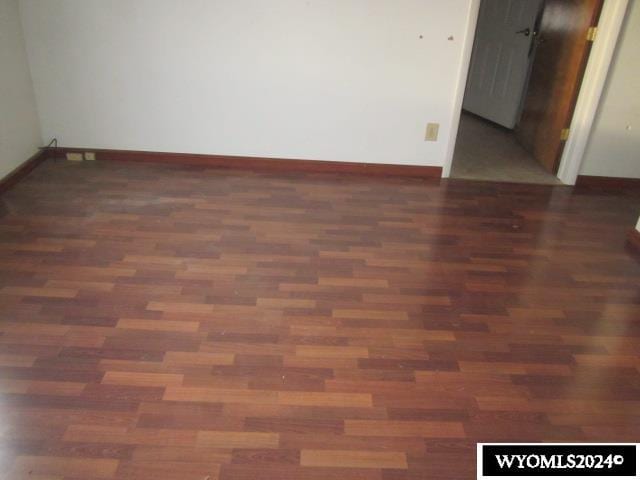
(261,163)
(21,171)
(633,238)
(607,182)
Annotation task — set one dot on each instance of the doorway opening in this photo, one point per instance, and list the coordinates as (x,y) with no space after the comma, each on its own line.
(526,70)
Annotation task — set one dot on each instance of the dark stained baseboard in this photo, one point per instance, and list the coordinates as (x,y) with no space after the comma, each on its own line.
(608,182)
(634,239)
(23,170)
(262,164)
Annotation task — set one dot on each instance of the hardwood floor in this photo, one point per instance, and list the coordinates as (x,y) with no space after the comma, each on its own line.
(164,322)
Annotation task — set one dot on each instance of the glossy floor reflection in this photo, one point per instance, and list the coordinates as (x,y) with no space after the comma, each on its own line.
(183,323)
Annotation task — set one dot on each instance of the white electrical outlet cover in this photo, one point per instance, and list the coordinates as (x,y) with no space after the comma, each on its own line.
(75,157)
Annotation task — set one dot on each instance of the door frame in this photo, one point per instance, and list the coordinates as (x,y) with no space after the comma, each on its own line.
(593,82)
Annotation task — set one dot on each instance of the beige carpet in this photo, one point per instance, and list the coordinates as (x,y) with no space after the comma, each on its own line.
(486,151)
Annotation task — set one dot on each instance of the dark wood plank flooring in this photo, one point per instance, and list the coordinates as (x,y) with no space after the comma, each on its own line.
(163,322)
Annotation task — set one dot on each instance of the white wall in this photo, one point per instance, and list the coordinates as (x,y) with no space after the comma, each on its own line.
(614,146)
(19,129)
(346,80)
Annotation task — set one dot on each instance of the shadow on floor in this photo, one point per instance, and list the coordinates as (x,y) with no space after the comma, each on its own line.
(485,151)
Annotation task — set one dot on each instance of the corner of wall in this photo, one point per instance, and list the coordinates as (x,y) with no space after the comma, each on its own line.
(20,131)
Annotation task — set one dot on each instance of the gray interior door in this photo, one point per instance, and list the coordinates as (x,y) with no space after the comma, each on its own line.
(501,59)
